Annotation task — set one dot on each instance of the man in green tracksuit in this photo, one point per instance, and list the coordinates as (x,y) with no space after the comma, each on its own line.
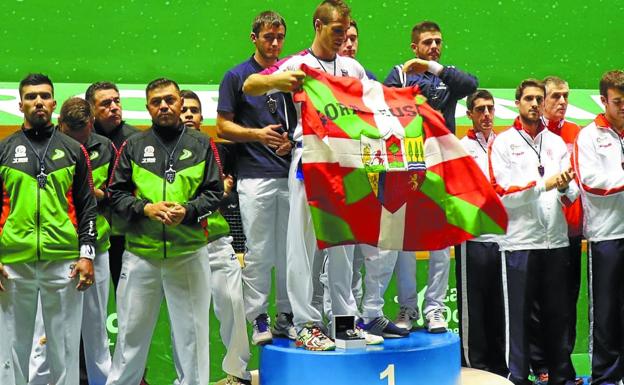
(165,184)
(47,238)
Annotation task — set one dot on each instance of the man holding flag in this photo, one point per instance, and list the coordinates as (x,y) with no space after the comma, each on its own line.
(331,22)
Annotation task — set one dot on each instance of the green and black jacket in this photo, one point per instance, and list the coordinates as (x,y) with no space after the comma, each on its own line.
(51,223)
(101,155)
(139,178)
(119,135)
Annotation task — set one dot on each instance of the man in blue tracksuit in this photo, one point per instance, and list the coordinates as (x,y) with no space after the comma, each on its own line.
(443,86)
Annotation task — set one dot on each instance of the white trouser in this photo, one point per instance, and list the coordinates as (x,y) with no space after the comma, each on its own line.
(94,335)
(318,296)
(227,296)
(301,250)
(379,266)
(184,282)
(39,370)
(61,310)
(336,277)
(437,280)
(264,214)
(358,261)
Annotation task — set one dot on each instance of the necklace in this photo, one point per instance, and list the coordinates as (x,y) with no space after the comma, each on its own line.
(321,64)
(42,177)
(170,173)
(540,168)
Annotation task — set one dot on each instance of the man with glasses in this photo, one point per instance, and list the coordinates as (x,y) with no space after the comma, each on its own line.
(259,125)
(478,262)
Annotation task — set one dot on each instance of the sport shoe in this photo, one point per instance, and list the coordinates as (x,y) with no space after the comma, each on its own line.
(261,332)
(436,323)
(371,339)
(579,381)
(233,380)
(284,326)
(382,326)
(311,337)
(406,318)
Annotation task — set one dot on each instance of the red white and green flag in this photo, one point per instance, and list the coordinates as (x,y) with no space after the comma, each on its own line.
(381,168)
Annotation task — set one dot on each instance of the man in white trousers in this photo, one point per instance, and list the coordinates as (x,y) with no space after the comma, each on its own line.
(47,239)
(258,124)
(165,184)
(331,22)
(225,269)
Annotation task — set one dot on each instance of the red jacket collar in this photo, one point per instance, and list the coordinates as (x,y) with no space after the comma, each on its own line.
(601,121)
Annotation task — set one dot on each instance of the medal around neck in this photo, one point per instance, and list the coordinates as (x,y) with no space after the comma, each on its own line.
(42,179)
(170,174)
(540,169)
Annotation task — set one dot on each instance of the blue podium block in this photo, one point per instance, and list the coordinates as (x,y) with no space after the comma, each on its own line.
(420,359)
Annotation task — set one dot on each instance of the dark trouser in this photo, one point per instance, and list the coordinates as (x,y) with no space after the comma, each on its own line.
(542,276)
(606,295)
(480,305)
(117,247)
(536,334)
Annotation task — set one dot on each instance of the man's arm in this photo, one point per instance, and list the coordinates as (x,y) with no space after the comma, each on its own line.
(209,194)
(121,187)
(85,204)
(227,129)
(286,81)
(460,83)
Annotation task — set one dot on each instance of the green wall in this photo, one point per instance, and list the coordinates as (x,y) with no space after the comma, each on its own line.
(135,41)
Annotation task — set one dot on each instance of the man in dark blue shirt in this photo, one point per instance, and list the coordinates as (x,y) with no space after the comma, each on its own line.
(260,126)
(442,85)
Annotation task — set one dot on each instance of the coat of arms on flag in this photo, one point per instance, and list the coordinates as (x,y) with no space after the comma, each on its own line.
(381,168)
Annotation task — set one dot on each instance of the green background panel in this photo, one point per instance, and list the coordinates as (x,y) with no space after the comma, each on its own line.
(192,41)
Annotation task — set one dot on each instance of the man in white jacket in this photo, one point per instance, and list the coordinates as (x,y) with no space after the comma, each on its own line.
(478,262)
(599,156)
(530,170)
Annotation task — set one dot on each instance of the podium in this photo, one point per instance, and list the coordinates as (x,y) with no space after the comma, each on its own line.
(419,359)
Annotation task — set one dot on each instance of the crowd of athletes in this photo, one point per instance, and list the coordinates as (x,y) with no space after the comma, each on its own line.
(145,210)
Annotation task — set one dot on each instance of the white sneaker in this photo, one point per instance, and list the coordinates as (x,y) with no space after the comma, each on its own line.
(406,318)
(261,332)
(436,322)
(371,339)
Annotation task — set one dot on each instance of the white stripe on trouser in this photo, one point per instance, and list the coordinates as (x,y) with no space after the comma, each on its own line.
(506,306)
(94,334)
(379,267)
(61,307)
(464,305)
(229,308)
(264,210)
(590,285)
(184,282)
(301,249)
(437,279)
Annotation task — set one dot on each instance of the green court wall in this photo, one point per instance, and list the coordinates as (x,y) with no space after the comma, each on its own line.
(134,41)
